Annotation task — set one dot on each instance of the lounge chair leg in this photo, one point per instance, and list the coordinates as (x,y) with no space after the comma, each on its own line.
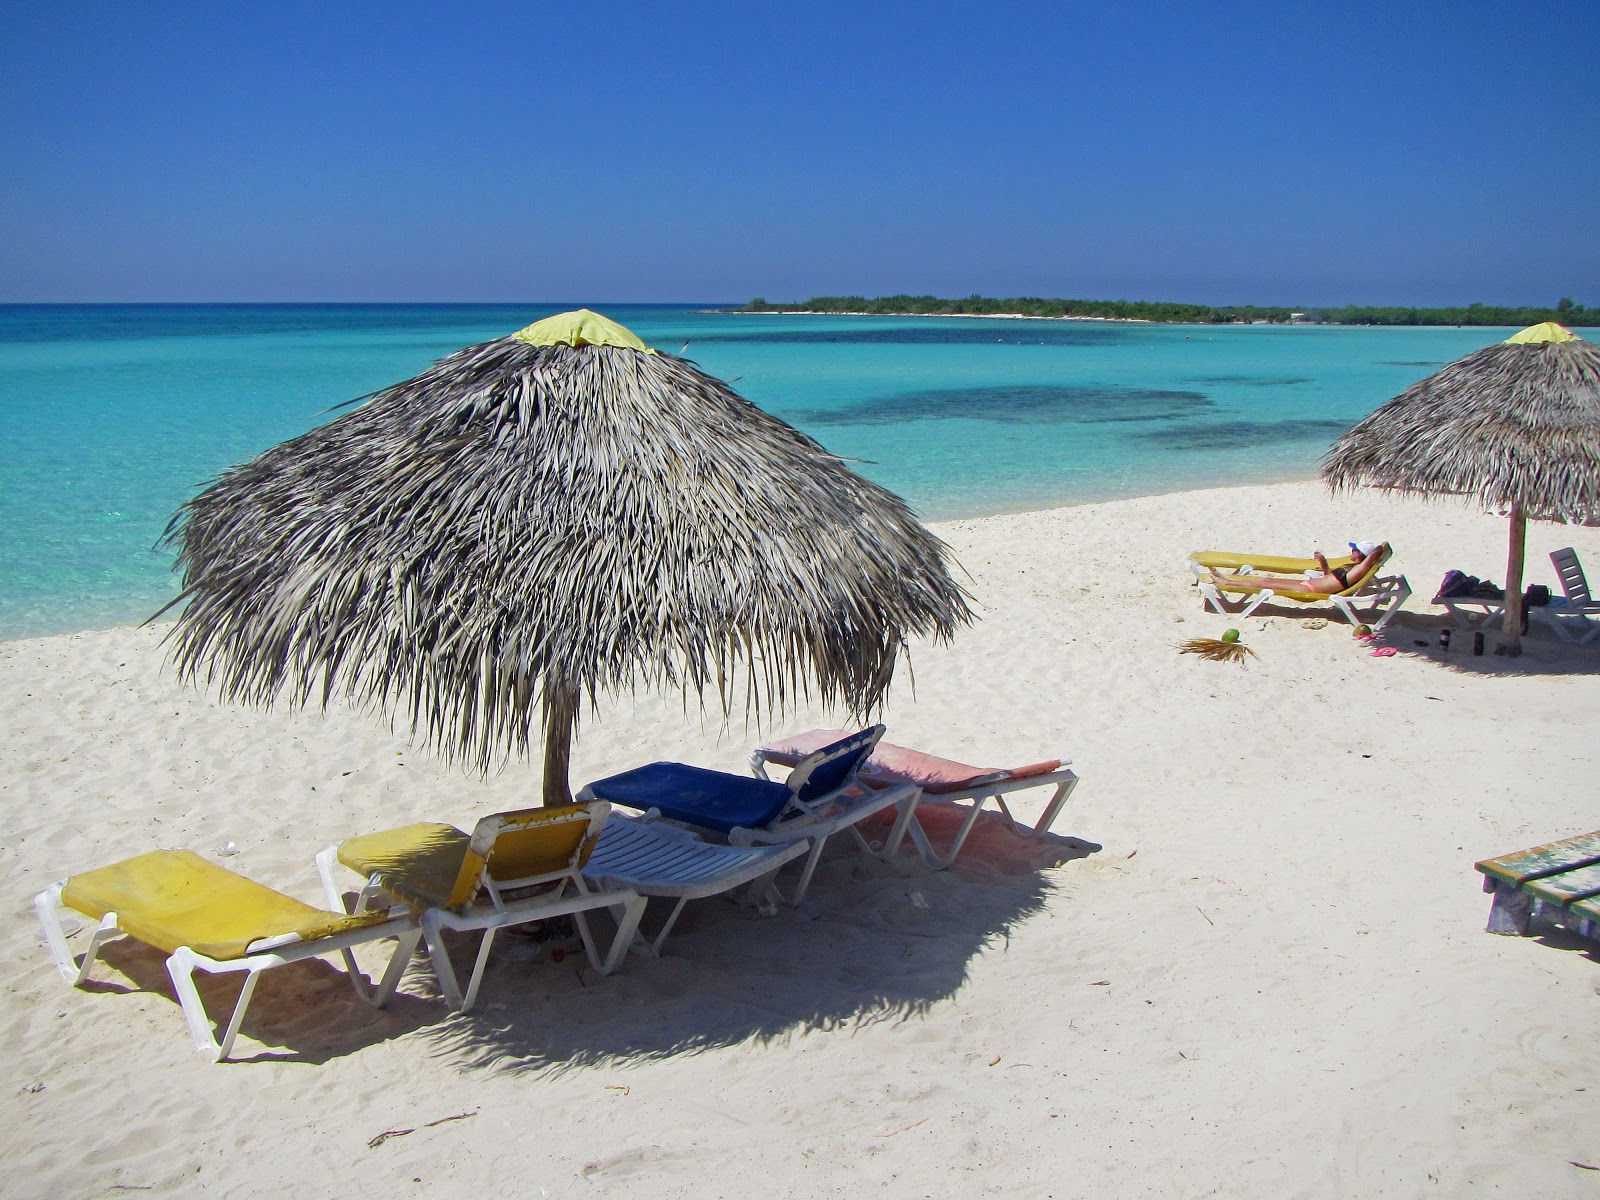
(1512,910)
(405,947)
(1053,809)
(439,955)
(810,869)
(237,1019)
(672,919)
(477,970)
(47,906)
(905,814)
(941,862)
(181,967)
(626,927)
(1256,602)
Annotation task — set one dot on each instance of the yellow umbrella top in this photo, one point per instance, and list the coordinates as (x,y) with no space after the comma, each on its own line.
(1545,331)
(580,328)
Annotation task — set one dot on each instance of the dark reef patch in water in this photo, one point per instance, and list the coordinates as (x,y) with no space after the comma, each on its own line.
(1238,435)
(1026,333)
(1026,404)
(1252,380)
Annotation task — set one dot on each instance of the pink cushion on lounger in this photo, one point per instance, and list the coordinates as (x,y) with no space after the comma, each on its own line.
(895,764)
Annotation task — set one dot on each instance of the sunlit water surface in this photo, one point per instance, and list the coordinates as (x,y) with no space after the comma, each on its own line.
(113,415)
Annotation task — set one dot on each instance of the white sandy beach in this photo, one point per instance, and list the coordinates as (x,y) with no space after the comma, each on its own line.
(1253,965)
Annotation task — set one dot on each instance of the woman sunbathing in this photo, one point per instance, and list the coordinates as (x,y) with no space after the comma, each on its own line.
(1332,579)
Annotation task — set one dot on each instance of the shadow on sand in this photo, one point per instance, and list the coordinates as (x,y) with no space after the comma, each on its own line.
(1417,635)
(872,942)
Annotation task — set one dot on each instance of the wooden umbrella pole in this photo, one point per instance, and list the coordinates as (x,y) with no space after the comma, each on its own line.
(1513,617)
(560,715)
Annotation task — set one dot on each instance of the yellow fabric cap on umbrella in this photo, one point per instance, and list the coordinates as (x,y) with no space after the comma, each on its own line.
(580,328)
(1545,331)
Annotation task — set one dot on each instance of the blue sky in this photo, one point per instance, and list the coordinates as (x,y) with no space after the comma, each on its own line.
(1224,153)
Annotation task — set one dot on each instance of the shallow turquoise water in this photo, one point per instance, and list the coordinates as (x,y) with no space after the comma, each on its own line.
(113,415)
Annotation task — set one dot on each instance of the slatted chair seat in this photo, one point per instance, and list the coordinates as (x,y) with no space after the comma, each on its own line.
(1559,879)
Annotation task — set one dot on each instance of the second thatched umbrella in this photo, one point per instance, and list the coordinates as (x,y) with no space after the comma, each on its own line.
(543,520)
(1516,425)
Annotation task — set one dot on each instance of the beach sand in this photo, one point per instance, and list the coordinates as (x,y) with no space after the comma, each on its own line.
(1253,963)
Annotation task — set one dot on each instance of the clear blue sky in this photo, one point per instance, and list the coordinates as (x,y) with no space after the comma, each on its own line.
(1228,153)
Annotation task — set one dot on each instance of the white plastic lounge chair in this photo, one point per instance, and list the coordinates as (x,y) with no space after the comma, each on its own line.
(1475,612)
(654,858)
(467,883)
(208,918)
(941,778)
(1384,594)
(1571,616)
(821,797)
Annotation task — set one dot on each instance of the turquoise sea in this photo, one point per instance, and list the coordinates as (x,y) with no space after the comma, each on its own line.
(112,415)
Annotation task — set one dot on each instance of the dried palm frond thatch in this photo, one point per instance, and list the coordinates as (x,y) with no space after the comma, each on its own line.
(544,520)
(1218,649)
(1516,425)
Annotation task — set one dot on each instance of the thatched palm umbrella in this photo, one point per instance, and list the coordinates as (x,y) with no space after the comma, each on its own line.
(1516,424)
(545,519)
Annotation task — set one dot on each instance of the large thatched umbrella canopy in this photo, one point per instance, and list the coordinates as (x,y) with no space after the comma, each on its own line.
(1516,425)
(545,519)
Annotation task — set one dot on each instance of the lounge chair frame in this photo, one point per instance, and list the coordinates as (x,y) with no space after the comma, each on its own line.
(655,858)
(1385,594)
(980,791)
(262,955)
(813,821)
(505,909)
(1571,616)
(813,824)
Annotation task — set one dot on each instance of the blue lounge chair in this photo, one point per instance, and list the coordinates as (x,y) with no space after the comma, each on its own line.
(820,798)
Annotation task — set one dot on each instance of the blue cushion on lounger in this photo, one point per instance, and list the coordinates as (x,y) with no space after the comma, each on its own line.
(696,796)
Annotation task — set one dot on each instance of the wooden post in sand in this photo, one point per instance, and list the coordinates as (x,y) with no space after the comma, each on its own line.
(561,702)
(1513,612)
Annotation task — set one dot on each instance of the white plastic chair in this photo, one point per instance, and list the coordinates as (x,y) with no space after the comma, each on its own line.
(1570,617)
(652,858)
(472,884)
(244,925)
(938,779)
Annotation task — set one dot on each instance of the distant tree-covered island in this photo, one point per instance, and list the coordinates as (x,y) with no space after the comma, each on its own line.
(1567,311)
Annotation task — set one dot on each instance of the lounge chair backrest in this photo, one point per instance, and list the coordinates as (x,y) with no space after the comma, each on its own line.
(529,845)
(827,770)
(1570,571)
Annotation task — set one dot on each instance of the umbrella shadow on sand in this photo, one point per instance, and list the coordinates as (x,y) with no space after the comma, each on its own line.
(1543,653)
(873,942)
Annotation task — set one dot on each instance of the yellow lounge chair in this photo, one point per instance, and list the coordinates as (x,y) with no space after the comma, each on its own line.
(208,918)
(1384,594)
(463,883)
(1203,562)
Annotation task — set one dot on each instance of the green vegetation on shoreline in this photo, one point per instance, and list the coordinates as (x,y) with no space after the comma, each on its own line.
(1566,311)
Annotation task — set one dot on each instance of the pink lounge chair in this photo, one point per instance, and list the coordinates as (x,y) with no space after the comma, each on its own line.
(943,778)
